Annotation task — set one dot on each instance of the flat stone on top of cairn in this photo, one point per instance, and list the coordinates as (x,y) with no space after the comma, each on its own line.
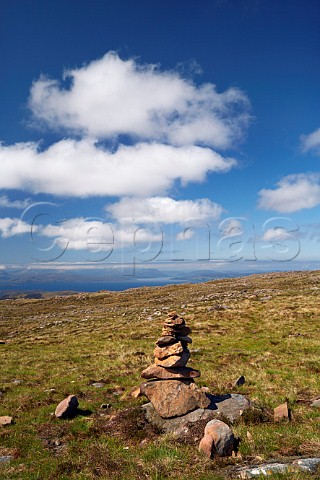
(173,391)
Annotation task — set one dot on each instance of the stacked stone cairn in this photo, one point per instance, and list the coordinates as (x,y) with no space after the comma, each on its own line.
(171,387)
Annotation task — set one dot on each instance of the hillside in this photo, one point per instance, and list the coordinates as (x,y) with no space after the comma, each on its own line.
(95,345)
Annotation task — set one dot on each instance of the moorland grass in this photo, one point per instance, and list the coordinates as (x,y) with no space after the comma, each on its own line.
(265,327)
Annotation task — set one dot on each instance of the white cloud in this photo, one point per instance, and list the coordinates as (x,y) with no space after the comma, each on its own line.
(276,234)
(292,193)
(311,142)
(110,97)
(82,234)
(83,168)
(19,204)
(231,226)
(134,221)
(13,226)
(164,210)
(187,234)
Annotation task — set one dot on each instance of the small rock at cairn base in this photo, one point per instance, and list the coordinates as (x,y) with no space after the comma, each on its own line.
(173,393)
(218,439)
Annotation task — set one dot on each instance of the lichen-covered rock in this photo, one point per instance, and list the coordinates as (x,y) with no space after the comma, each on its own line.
(309,465)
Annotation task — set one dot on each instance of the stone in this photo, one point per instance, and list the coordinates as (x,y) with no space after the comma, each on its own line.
(172,322)
(167,340)
(171,331)
(206,445)
(227,406)
(309,465)
(316,403)
(2,342)
(184,339)
(223,438)
(230,405)
(136,392)
(6,420)
(178,426)
(240,381)
(180,360)
(155,371)
(67,408)
(6,458)
(163,352)
(205,389)
(281,412)
(173,398)
(98,384)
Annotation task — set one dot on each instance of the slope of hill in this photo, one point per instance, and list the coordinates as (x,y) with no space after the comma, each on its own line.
(265,327)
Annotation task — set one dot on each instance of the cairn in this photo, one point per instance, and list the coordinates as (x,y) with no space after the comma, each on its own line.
(171,388)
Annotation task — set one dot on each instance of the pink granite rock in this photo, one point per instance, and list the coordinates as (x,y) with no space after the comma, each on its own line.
(173,398)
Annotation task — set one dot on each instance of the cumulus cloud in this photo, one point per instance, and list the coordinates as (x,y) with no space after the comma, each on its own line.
(164,210)
(276,234)
(171,128)
(13,226)
(90,234)
(292,193)
(231,226)
(83,168)
(311,142)
(19,204)
(111,97)
(186,234)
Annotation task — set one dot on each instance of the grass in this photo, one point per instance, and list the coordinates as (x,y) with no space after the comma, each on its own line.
(265,327)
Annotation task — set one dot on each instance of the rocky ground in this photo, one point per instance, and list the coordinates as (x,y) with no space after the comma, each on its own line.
(95,346)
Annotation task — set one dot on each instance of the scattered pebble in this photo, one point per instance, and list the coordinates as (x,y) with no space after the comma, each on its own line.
(67,408)
(5,420)
(240,381)
(316,403)
(6,458)
(281,412)
(17,381)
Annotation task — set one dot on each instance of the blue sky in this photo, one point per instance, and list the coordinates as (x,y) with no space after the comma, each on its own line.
(159,130)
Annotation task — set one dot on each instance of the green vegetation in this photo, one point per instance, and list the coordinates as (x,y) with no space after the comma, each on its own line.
(265,327)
